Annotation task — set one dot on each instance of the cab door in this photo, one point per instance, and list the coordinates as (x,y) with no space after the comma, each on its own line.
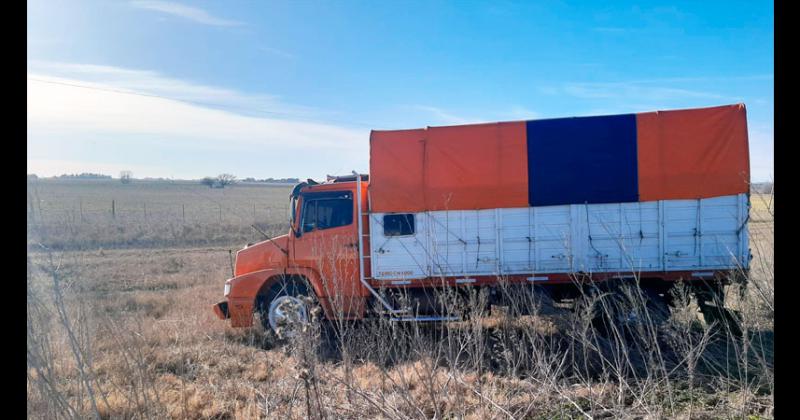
(327,242)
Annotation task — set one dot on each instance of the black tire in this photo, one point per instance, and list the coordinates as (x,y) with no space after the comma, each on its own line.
(711,301)
(728,320)
(282,288)
(629,314)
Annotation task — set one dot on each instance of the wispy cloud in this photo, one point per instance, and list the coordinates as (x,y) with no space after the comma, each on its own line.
(632,90)
(441,115)
(111,117)
(156,84)
(193,14)
(448,117)
(277,51)
(522,113)
(648,90)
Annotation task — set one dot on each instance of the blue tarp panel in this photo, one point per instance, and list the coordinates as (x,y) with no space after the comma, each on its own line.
(582,160)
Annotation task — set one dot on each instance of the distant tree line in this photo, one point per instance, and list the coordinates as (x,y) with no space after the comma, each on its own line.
(84,175)
(274,180)
(126,177)
(762,187)
(221,181)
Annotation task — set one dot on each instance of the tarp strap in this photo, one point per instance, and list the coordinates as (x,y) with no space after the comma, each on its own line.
(697,228)
(589,229)
(746,219)
(641,231)
(445,228)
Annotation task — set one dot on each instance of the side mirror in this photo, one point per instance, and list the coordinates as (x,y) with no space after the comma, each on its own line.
(296,233)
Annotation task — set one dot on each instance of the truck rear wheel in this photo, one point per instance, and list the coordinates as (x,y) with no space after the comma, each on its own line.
(711,301)
(628,311)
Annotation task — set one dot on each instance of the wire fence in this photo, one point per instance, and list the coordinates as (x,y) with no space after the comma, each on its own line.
(149,212)
(91,215)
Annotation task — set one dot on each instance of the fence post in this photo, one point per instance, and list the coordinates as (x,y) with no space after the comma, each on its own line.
(183,212)
(113,210)
(220,213)
(80,203)
(145,212)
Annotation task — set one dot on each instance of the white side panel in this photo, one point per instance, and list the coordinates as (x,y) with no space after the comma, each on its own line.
(704,233)
(621,237)
(519,253)
(463,242)
(553,239)
(399,257)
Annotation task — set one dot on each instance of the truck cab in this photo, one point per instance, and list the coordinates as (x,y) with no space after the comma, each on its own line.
(318,258)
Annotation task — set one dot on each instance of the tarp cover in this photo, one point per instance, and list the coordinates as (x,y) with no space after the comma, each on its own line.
(694,153)
(683,154)
(449,168)
(582,160)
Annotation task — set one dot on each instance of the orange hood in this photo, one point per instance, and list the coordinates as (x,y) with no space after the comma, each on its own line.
(263,255)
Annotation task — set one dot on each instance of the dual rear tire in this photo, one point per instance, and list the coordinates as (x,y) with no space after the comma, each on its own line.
(629,311)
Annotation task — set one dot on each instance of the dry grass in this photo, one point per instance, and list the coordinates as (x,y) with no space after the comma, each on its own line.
(128,333)
(77,214)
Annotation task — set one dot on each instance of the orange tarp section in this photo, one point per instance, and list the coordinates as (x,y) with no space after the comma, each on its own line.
(396,170)
(478,166)
(693,153)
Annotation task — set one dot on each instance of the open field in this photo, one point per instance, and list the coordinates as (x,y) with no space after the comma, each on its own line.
(120,324)
(89,214)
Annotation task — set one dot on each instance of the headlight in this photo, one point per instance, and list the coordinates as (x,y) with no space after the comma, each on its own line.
(227,290)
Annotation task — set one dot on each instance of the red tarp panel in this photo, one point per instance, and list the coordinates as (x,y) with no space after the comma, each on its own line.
(395,170)
(478,166)
(693,153)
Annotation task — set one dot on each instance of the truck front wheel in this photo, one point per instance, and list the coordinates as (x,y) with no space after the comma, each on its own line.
(287,309)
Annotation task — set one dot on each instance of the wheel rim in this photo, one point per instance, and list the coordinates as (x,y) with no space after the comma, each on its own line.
(288,313)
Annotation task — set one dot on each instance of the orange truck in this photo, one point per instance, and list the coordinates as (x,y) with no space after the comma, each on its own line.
(552,207)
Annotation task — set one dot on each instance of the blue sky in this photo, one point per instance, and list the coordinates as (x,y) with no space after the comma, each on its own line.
(292,88)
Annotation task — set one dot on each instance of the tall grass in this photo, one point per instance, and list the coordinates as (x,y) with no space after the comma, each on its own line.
(129,333)
(88,358)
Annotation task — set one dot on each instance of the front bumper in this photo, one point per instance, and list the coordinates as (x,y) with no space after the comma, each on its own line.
(221,310)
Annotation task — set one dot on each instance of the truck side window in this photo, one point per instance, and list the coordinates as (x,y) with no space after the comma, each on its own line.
(398,224)
(326,213)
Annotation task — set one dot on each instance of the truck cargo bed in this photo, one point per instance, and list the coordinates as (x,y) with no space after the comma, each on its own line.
(665,235)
